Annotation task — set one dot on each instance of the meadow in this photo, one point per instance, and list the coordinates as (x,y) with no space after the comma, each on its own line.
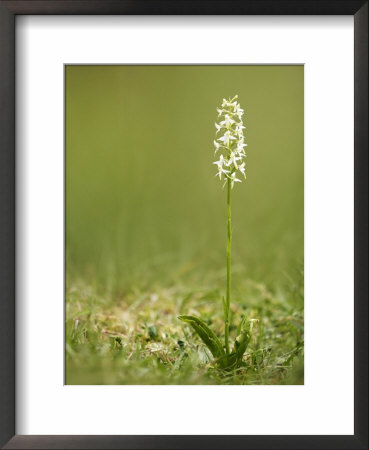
(146,224)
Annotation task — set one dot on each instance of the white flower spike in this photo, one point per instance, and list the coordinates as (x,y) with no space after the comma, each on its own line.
(232,144)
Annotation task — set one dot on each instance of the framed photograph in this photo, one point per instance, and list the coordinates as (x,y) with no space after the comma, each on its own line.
(184,228)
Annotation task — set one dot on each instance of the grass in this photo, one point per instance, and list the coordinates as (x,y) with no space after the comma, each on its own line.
(134,336)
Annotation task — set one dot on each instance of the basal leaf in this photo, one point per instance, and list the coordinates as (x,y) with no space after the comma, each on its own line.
(243,339)
(240,344)
(209,338)
(227,361)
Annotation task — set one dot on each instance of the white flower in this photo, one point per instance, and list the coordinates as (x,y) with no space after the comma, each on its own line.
(239,111)
(234,179)
(239,128)
(217,146)
(233,160)
(218,127)
(240,146)
(242,168)
(220,171)
(221,162)
(228,136)
(227,122)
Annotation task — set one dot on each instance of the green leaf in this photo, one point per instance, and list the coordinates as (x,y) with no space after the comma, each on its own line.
(153,332)
(243,339)
(240,344)
(241,325)
(227,361)
(209,338)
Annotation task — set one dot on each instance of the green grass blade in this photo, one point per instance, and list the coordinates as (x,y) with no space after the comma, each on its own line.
(209,338)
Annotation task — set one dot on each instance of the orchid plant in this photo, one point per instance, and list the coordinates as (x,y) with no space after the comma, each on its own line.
(230,147)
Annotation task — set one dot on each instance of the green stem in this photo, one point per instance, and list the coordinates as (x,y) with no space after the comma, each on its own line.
(229,240)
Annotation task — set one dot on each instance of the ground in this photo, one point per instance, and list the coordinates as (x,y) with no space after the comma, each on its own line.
(135,337)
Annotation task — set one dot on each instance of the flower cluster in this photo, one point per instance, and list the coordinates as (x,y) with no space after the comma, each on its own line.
(231,146)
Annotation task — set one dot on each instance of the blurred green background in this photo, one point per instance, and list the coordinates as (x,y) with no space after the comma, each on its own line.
(141,196)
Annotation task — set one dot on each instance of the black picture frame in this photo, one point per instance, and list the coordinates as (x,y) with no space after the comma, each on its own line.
(8,12)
